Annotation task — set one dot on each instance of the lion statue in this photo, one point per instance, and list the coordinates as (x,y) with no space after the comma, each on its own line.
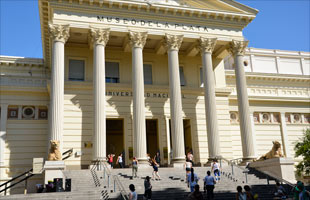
(275,152)
(54,153)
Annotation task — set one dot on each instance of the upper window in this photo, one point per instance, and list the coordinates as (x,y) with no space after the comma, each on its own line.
(112,72)
(182,78)
(76,70)
(147,72)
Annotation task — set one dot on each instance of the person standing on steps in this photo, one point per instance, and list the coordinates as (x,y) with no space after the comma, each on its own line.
(209,182)
(120,160)
(155,175)
(196,195)
(134,167)
(190,157)
(157,158)
(215,167)
(192,180)
(132,195)
(188,166)
(147,188)
(110,157)
(240,195)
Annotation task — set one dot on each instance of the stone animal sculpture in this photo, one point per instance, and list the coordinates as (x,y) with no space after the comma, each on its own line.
(275,152)
(54,153)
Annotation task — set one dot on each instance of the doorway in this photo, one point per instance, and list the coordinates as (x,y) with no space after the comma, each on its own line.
(152,144)
(115,137)
(187,135)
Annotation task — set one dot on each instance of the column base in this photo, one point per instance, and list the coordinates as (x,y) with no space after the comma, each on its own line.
(178,162)
(143,163)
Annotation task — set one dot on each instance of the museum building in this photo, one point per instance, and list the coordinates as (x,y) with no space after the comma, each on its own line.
(137,77)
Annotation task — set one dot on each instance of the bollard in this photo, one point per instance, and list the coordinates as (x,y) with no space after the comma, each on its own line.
(114,185)
(267,180)
(108,181)
(246,177)
(104,173)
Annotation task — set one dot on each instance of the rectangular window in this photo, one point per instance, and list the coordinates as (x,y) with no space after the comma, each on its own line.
(112,72)
(182,78)
(76,70)
(147,73)
(201,77)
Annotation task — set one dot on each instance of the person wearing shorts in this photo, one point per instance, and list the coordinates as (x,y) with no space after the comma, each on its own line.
(216,170)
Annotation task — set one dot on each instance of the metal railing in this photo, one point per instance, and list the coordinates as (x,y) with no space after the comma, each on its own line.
(26,175)
(101,165)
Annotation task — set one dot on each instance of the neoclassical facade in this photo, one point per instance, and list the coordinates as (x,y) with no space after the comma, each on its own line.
(144,76)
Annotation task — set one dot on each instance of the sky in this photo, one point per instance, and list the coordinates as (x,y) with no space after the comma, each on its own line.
(280,24)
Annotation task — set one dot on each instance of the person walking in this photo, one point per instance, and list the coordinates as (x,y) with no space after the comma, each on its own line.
(147,188)
(132,195)
(240,195)
(192,180)
(157,158)
(110,157)
(134,167)
(248,192)
(190,157)
(188,166)
(196,195)
(216,170)
(209,182)
(120,160)
(155,175)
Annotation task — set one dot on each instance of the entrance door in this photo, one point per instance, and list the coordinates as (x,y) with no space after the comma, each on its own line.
(115,137)
(152,137)
(187,135)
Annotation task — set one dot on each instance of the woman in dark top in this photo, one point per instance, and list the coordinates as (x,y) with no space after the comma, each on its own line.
(157,158)
(155,174)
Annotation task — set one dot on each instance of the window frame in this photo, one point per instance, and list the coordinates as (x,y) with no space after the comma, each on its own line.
(148,63)
(119,70)
(67,70)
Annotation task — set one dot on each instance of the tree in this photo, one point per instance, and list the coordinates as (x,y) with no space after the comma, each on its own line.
(302,148)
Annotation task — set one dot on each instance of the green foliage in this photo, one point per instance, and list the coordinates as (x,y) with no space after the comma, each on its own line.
(302,148)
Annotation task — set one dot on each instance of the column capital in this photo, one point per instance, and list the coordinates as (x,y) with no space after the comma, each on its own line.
(59,32)
(237,47)
(206,45)
(173,42)
(99,35)
(137,39)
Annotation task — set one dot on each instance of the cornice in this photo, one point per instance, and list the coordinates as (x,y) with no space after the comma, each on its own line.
(271,77)
(21,61)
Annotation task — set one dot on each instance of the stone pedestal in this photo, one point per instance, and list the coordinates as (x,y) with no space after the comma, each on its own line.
(53,169)
(277,167)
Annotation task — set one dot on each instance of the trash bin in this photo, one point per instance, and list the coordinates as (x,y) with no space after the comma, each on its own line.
(39,188)
(68,185)
(58,185)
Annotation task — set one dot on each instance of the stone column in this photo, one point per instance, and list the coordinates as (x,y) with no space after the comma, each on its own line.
(173,44)
(137,42)
(285,143)
(237,49)
(99,39)
(206,47)
(59,35)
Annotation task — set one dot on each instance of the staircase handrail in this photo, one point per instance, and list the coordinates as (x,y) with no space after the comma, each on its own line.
(70,151)
(231,162)
(120,185)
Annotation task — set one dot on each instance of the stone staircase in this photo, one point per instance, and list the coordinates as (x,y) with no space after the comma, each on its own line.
(86,184)
(173,186)
(96,185)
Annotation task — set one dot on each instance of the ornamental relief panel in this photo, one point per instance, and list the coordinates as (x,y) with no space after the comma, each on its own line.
(273,118)
(28,112)
(275,92)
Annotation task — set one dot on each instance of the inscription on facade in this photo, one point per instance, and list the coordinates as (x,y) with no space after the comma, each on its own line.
(151,24)
(146,94)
